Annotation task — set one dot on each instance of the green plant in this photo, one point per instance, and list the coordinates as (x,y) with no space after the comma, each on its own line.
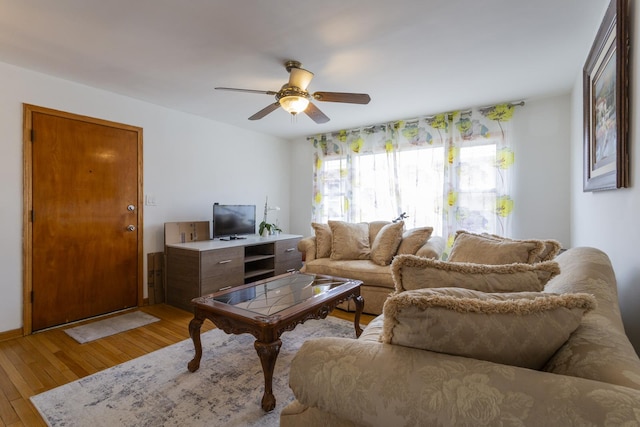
(271,228)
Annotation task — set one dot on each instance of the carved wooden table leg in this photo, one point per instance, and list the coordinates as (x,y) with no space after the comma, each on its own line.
(359,307)
(194,333)
(268,353)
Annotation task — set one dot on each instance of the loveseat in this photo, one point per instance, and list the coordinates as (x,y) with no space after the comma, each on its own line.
(364,251)
(593,379)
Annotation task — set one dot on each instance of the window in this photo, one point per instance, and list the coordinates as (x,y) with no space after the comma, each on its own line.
(449,171)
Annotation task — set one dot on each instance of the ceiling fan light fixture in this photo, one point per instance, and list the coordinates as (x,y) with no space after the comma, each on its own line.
(294,104)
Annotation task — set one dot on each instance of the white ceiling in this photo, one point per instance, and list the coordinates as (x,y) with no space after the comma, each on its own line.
(414,57)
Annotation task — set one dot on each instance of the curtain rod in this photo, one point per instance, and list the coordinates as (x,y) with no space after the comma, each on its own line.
(371,127)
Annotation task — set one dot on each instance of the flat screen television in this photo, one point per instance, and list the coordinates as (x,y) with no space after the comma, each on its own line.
(233,220)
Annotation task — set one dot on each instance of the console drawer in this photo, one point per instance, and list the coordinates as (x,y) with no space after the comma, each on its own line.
(220,262)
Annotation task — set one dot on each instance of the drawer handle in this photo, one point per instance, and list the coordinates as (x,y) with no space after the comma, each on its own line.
(224,289)
(289,250)
(291,270)
(226,261)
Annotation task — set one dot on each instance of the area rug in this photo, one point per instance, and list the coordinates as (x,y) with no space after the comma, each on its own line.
(158,390)
(111,326)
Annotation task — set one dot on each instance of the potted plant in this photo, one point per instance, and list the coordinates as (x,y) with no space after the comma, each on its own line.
(265,229)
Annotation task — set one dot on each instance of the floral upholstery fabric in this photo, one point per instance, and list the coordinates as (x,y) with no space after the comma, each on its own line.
(411,272)
(599,348)
(593,380)
(514,328)
(372,384)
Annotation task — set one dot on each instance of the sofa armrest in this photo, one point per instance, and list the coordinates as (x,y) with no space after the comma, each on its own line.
(307,246)
(370,383)
(433,248)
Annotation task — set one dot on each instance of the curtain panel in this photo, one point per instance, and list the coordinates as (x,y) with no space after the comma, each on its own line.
(450,171)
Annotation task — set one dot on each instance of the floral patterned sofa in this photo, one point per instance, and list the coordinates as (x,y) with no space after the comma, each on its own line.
(592,379)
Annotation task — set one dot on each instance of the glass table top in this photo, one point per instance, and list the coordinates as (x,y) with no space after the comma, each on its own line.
(279,294)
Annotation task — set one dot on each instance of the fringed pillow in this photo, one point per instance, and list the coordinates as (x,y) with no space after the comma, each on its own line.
(412,272)
(521,329)
(478,249)
(551,247)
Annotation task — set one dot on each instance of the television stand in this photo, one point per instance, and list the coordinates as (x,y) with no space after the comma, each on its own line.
(199,268)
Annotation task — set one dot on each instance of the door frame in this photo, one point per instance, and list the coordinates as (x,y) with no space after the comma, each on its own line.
(27,200)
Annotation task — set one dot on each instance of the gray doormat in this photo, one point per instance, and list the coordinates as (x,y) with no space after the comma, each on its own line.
(111,326)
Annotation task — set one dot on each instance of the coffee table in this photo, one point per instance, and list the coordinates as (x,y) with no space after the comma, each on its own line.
(267,308)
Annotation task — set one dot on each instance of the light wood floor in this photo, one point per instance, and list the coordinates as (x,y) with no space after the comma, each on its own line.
(33,364)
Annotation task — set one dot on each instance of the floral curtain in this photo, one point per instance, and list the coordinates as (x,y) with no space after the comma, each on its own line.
(450,171)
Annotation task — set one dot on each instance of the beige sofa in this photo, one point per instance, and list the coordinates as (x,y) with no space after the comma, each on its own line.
(593,379)
(377,280)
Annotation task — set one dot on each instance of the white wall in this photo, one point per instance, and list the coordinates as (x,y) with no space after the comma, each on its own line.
(608,220)
(541,129)
(302,186)
(541,188)
(189,163)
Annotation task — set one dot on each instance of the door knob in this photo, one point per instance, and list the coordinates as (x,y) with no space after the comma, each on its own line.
(131,208)
(131,227)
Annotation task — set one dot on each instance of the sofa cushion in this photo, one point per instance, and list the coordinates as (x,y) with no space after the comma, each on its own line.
(365,270)
(411,272)
(470,247)
(521,328)
(374,229)
(414,239)
(551,247)
(349,240)
(323,239)
(599,349)
(386,243)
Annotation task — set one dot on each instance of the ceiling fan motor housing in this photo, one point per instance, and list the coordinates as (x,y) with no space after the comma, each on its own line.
(294,98)
(291,91)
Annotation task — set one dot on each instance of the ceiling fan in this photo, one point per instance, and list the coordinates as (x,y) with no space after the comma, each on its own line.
(294,98)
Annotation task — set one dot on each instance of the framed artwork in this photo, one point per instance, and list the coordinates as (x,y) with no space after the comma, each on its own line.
(606,103)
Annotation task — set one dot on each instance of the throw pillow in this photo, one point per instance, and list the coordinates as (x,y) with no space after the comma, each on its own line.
(386,243)
(413,239)
(374,229)
(349,240)
(410,272)
(551,247)
(323,239)
(521,329)
(470,247)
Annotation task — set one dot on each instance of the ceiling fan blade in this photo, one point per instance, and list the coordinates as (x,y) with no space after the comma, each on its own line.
(351,98)
(300,78)
(315,114)
(266,110)
(266,92)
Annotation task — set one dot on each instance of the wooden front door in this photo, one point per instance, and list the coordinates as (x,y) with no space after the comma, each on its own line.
(85,217)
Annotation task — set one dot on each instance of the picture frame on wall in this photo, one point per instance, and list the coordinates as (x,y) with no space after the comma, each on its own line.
(606,103)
